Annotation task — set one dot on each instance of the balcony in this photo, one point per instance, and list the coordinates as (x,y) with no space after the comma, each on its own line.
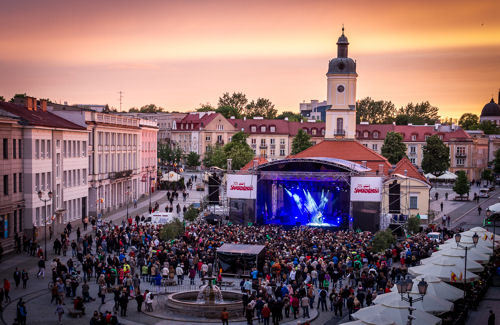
(413,154)
(122,174)
(263,146)
(339,132)
(220,142)
(273,146)
(460,155)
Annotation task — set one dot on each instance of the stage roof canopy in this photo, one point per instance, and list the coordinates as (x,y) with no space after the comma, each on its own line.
(335,162)
(240,249)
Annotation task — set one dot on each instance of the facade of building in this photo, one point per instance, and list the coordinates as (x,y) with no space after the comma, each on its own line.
(480,150)
(148,155)
(114,149)
(11,181)
(314,110)
(164,121)
(54,158)
(198,131)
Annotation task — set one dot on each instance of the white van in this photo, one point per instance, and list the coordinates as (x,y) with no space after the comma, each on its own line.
(435,236)
(158,218)
(484,192)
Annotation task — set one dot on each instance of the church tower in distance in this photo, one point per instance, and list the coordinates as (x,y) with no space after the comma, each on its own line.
(341,94)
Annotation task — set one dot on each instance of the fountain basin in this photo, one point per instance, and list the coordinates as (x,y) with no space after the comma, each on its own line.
(185,303)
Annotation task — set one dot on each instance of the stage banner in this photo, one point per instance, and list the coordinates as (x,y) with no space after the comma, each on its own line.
(241,186)
(366,189)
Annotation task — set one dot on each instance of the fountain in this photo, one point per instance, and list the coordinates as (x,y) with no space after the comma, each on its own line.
(208,302)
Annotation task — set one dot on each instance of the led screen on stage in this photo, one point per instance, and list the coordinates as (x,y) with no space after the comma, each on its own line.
(312,203)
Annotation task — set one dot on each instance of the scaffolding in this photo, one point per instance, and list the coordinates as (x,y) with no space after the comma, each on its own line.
(391,219)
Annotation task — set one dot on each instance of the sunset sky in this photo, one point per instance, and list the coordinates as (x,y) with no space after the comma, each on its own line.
(178,54)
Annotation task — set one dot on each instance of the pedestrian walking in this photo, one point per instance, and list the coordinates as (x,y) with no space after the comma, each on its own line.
(25,277)
(441,205)
(59,312)
(6,290)
(17,277)
(224,316)
(139,298)
(491,318)
(479,209)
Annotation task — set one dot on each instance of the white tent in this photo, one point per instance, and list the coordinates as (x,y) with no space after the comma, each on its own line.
(171,177)
(483,236)
(397,314)
(478,254)
(457,261)
(431,304)
(377,320)
(446,176)
(495,208)
(468,241)
(437,287)
(443,272)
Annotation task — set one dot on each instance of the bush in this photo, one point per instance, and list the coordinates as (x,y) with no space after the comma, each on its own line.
(383,240)
(191,214)
(171,230)
(413,224)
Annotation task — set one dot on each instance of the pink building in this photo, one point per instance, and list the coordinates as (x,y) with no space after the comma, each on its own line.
(148,154)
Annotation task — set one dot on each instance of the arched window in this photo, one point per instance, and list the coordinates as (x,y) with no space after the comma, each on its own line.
(365,134)
(340,126)
(375,135)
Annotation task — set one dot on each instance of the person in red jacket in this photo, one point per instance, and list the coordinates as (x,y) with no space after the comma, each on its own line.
(266,312)
(6,289)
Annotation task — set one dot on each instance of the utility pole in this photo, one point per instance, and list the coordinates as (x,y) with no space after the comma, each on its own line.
(121,96)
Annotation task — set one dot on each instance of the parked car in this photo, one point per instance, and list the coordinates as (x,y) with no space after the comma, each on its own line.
(435,236)
(484,192)
(200,187)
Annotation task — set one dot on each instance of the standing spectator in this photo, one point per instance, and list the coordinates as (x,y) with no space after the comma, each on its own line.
(479,209)
(59,312)
(139,298)
(350,305)
(179,271)
(441,205)
(25,277)
(149,301)
(266,313)
(123,304)
(17,277)
(224,317)
(249,314)
(41,268)
(491,318)
(304,303)
(6,290)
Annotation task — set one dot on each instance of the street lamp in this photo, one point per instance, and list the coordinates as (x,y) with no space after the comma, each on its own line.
(488,219)
(40,196)
(128,198)
(405,286)
(475,239)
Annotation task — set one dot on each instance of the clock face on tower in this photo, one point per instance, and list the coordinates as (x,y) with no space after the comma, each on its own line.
(340,88)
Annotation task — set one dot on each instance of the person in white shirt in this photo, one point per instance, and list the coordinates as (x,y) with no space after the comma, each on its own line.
(179,271)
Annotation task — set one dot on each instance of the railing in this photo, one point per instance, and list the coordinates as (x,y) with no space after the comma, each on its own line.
(339,132)
(460,155)
(121,174)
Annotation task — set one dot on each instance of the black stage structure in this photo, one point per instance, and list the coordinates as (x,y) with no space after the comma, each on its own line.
(307,191)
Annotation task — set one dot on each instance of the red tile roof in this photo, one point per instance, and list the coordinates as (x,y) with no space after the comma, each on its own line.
(281,126)
(350,150)
(38,117)
(408,131)
(411,171)
(195,120)
(260,161)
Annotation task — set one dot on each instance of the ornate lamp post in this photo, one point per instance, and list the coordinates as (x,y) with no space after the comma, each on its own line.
(405,286)
(40,196)
(475,239)
(128,198)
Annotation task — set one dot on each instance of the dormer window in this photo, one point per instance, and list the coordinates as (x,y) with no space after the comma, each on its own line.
(263,128)
(365,134)
(375,135)
(413,137)
(272,129)
(313,131)
(322,131)
(253,128)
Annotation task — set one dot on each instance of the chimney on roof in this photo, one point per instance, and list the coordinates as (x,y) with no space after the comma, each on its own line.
(286,118)
(406,172)
(381,169)
(43,105)
(31,103)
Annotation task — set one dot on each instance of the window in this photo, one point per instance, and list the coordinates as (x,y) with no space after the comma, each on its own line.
(413,161)
(313,131)
(340,126)
(282,141)
(413,149)
(220,127)
(254,141)
(58,165)
(322,131)
(413,202)
(69,149)
(42,149)
(20,148)
(262,142)
(14,187)
(219,139)
(263,128)
(20,182)
(273,141)
(5,184)
(460,161)
(365,134)
(272,152)
(208,138)
(273,129)
(427,137)
(375,146)
(253,128)
(58,144)
(5,148)
(49,150)
(413,137)
(14,148)
(65,148)
(460,152)
(375,135)
(282,152)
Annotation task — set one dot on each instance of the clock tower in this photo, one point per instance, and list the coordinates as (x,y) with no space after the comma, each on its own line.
(341,94)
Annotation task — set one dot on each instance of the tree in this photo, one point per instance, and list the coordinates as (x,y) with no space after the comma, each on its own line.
(496,162)
(17,96)
(293,117)
(238,151)
(151,108)
(165,152)
(193,159)
(2,99)
(436,156)
(488,127)
(236,100)
(413,224)
(375,112)
(419,113)
(133,110)
(487,175)
(215,156)
(469,121)
(301,142)
(261,107)
(228,112)
(177,155)
(461,186)
(205,108)
(393,148)
(171,230)
(191,214)
(383,240)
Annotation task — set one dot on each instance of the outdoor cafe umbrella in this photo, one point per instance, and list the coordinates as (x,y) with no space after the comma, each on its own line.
(474,254)
(430,304)
(479,252)
(454,260)
(376,320)
(438,288)
(468,241)
(447,273)
(484,236)
(398,314)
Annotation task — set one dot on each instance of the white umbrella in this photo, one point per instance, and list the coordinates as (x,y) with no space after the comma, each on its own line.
(472,254)
(398,314)
(468,241)
(483,236)
(495,208)
(431,304)
(454,260)
(443,272)
(376,320)
(482,250)
(437,287)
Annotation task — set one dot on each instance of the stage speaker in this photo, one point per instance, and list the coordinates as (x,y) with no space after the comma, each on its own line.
(213,189)
(394,197)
